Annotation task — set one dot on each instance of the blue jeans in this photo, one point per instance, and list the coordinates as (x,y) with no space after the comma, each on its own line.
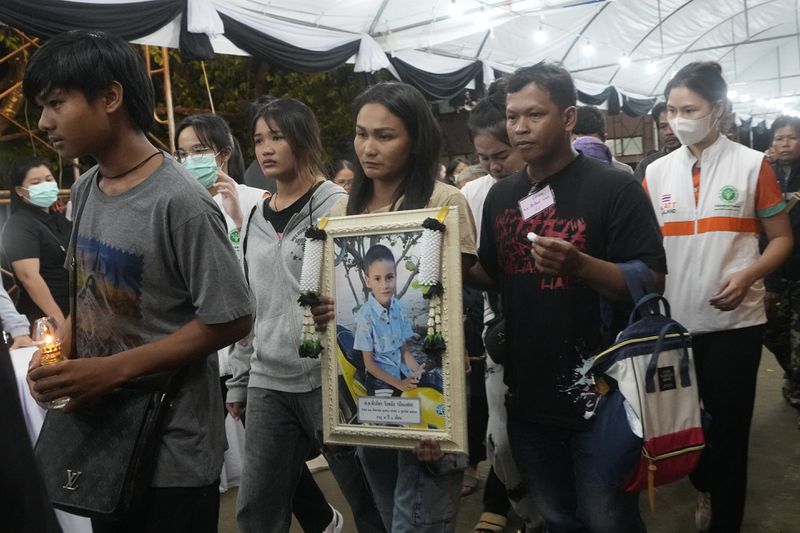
(281,429)
(557,467)
(414,497)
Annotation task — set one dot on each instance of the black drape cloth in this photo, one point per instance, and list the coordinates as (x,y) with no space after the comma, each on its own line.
(609,94)
(599,98)
(637,107)
(283,54)
(634,107)
(438,86)
(193,45)
(45,18)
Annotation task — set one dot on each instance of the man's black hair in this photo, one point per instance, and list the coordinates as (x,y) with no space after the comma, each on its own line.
(549,77)
(90,61)
(658,109)
(378,252)
(590,121)
(785,120)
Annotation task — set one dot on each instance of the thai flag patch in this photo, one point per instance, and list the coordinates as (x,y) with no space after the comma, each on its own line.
(666,198)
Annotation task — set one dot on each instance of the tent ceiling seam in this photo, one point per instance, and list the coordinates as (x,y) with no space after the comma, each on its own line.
(580,33)
(733,45)
(648,34)
(377,17)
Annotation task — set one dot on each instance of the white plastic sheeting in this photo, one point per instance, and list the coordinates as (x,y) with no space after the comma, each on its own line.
(756,41)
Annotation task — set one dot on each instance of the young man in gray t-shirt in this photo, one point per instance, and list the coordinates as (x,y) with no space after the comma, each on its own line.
(158,286)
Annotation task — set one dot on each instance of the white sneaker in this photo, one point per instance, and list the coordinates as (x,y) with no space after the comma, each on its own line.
(702,514)
(336,524)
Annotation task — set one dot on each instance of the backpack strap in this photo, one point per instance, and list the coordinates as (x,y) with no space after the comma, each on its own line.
(638,278)
(640,284)
(652,365)
(649,302)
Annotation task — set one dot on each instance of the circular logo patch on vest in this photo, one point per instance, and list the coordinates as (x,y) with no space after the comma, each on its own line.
(234,236)
(729,194)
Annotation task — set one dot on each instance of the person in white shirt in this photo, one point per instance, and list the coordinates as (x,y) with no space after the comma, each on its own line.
(712,198)
(208,149)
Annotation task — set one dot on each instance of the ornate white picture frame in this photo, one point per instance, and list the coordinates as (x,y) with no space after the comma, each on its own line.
(356,411)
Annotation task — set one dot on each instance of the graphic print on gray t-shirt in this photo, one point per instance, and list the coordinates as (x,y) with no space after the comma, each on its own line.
(149,261)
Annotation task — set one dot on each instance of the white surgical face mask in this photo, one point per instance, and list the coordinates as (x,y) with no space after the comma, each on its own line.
(690,131)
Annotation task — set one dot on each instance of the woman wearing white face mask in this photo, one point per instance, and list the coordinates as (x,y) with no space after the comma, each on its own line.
(210,152)
(712,198)
(35,239)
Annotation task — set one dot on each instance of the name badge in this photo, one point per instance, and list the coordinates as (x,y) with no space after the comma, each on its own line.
(535,203)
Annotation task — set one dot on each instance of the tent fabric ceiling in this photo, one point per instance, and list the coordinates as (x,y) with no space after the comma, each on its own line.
(756,41)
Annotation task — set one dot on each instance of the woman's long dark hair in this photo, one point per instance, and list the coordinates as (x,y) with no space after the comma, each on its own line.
(408,104)
(17,176)
(300,127)
(214,132)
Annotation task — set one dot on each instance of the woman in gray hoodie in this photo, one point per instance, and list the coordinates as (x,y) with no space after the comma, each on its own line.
(280,390)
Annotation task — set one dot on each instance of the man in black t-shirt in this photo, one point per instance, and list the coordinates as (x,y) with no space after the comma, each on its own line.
(587,217)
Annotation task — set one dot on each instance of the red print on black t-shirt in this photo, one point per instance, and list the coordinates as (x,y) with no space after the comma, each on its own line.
(514,247)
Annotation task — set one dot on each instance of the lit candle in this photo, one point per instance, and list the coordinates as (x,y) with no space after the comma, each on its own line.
(50,349)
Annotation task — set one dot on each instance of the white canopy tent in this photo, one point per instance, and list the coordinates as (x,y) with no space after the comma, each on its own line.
(633,45)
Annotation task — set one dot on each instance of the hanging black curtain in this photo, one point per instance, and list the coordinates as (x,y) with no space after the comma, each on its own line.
(637,107)
(438,87)
(599,98)
(609,95)
(193,45)
(286,55)
(45,18)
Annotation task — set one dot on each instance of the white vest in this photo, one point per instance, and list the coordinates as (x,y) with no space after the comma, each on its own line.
(709,240)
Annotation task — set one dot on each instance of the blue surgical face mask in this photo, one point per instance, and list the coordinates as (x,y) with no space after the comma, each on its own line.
(203,167)
(43,194)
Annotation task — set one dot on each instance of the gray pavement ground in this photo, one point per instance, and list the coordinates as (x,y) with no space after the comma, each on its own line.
(773,504)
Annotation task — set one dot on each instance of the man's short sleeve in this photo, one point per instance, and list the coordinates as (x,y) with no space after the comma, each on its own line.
(211,270)
(633,229)
(363,339)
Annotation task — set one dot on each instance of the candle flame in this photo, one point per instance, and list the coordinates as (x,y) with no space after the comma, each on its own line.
(48,339)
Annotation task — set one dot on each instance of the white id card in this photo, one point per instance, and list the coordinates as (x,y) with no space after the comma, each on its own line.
(535,203)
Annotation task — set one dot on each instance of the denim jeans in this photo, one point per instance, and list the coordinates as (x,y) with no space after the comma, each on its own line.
(281,429)
(557,467)
(414,497)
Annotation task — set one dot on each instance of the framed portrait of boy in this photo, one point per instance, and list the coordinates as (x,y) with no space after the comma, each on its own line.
(394,368)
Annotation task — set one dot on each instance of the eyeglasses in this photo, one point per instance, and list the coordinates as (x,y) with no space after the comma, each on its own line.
(181,155)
